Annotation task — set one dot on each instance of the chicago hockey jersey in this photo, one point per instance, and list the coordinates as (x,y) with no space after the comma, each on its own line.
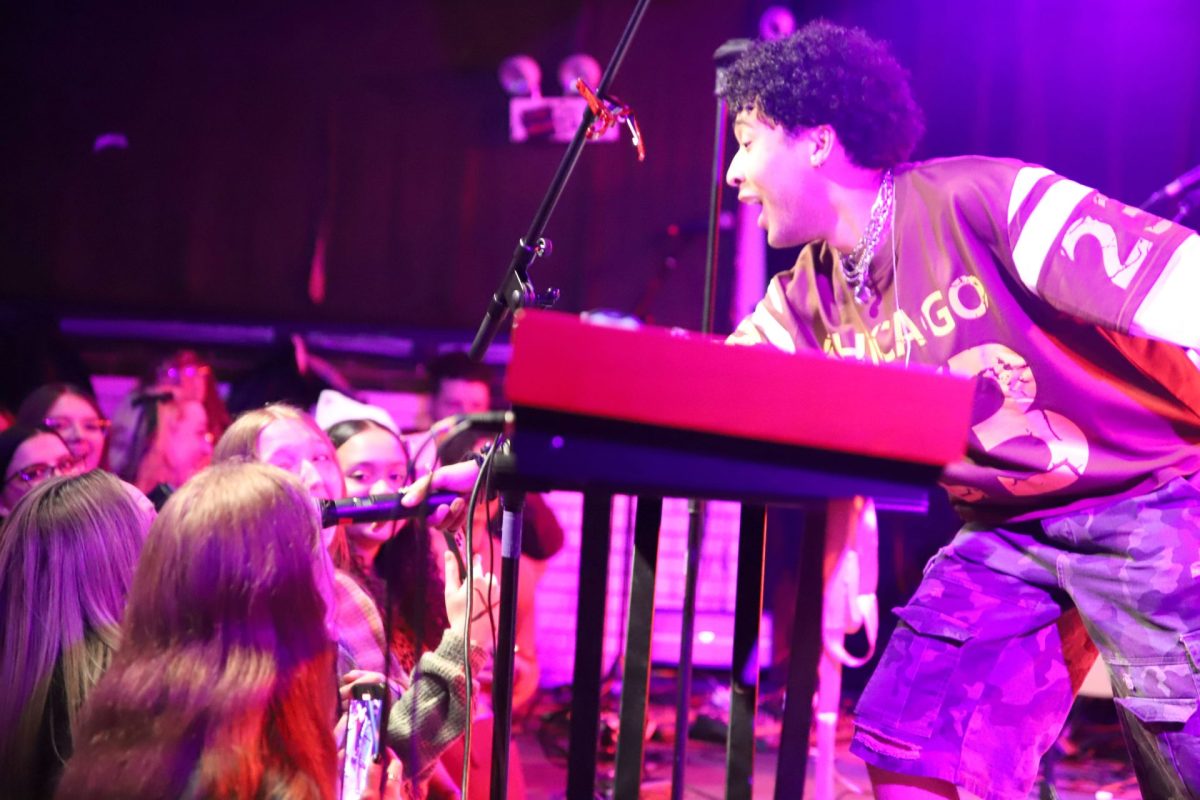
(1047,293)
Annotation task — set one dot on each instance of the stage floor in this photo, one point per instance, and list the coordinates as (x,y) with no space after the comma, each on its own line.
(1095,768)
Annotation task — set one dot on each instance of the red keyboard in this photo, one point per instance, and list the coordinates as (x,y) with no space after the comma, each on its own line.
(668,378)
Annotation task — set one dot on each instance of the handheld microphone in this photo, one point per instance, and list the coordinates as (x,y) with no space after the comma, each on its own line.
(377,508)
(160,494)
(148,397)
(1176,187)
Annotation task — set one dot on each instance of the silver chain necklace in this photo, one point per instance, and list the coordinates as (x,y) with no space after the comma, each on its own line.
(855,265)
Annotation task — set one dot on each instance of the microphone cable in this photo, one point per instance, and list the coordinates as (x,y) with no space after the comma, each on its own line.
(495,421)
(481,482)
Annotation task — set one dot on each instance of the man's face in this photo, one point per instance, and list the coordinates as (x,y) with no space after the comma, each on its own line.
(460,396)
(774,169)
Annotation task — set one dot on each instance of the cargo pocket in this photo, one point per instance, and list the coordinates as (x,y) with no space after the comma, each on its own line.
(909,686)
(1164,693)
(1162,700)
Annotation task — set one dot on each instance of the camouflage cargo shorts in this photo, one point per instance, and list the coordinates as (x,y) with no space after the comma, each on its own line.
(980,674)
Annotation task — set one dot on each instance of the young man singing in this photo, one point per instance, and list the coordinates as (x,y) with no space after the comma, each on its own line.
(1080,491)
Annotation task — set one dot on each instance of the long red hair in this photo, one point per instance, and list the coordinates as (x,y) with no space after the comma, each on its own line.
(224,683)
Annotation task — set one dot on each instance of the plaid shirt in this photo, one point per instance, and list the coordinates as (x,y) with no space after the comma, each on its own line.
(424,721)
(360,630)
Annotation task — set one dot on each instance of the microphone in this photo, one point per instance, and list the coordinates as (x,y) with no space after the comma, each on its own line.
(147,397)
(373,508)
(377,508)
(1176,187)
(160,494)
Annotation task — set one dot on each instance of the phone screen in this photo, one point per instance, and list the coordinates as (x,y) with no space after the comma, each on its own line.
(363,745)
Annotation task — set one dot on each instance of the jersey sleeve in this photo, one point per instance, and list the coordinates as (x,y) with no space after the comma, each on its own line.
(1102,261)
(772,322)
(783,319)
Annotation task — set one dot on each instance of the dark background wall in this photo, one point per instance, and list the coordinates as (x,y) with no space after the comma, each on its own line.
(250,125)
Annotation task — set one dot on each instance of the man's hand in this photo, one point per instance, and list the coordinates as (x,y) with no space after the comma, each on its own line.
(454,478)
(487,598)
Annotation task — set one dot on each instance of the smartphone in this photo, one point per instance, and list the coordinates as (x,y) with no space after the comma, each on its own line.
(364,747)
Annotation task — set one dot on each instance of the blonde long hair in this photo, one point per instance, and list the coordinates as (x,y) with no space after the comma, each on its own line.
(217,690)
(240,440)
(67,557)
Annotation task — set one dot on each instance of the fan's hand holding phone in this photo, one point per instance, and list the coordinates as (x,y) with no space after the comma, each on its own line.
(364,745)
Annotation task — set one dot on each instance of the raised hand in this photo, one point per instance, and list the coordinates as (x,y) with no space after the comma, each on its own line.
(487,598)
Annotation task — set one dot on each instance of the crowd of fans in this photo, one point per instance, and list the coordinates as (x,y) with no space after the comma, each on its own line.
(204,645)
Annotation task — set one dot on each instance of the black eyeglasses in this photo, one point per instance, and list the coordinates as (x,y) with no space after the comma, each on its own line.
(34,474)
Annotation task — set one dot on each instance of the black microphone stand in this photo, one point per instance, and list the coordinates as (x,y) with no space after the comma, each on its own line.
(1186,205)
(516,291)
(725,55)
(512,503)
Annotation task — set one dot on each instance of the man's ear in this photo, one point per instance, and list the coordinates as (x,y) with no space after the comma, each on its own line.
(822,138)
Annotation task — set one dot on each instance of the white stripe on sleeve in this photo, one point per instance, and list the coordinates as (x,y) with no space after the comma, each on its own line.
(1042,227)
(1022,186)
(765,325)
(774,332)
(1169,310)
(770,314)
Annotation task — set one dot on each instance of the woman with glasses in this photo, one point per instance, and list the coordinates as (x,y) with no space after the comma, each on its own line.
(29,457)
(191,378)
(67,557)
(74,415)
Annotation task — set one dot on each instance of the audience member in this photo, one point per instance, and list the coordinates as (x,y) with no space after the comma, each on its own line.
(73,414)
(224,684)
(393,561)
(432,713)
(374,461)
(29,457)
(461,386)
(193,379)
(458,385)
(159,436)
(67,556)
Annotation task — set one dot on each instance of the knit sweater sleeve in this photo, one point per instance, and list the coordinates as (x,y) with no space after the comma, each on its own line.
(433,712)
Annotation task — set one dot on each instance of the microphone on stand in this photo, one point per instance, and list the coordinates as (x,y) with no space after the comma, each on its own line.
(377,508)
(1176,187)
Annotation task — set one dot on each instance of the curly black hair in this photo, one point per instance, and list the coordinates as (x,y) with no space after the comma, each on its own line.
(825,74)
